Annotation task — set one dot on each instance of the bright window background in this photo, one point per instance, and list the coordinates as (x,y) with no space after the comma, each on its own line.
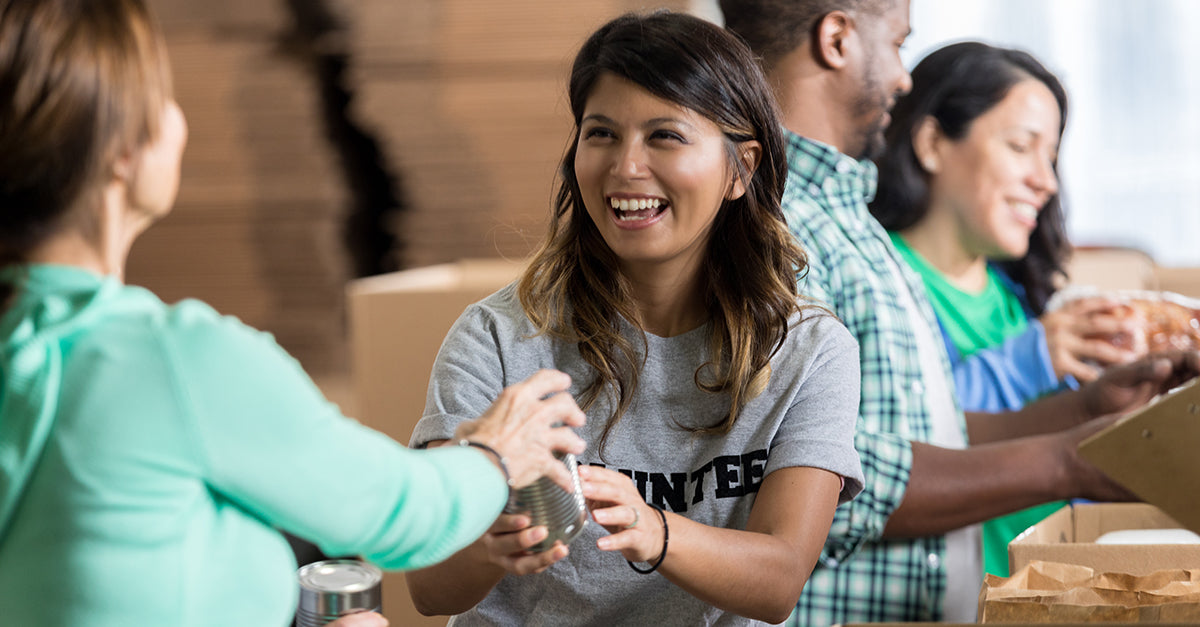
(1130,160)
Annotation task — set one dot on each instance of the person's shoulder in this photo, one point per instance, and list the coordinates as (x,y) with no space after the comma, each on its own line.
(197,329)
(815,321)
(131,310)
(136,324)
(498,319)
(501,309)
(504,302)
(815,338)
(800,200)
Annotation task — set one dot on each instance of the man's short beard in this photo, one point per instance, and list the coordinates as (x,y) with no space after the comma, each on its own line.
(873,102)
(871,141)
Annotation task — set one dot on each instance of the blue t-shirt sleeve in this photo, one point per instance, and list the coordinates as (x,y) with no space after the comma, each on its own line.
(1007,376)
(270,443)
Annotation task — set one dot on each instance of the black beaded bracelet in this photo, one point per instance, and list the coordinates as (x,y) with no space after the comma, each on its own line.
(666,537)
(503,463)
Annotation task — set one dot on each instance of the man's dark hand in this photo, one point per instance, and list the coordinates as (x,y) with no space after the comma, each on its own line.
(1127,387)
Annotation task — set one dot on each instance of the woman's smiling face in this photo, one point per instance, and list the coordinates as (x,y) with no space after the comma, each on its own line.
(653,174)
(997,178)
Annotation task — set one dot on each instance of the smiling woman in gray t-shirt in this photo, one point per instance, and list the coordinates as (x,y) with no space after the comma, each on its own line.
(721,407)
(804,417)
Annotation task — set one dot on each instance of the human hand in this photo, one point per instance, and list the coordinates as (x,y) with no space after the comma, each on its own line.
(1083,479)
(635,528)
(507,544)
(360,619)
(1080,334)
(1129,386)
(526,424)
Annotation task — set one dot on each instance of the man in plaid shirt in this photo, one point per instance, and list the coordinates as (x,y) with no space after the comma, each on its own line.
(908,547)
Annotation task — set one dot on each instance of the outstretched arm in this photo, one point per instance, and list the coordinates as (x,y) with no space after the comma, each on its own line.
(1033,457)
(1118,390)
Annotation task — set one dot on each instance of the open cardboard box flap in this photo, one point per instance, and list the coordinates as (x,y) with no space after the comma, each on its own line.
(1155,453)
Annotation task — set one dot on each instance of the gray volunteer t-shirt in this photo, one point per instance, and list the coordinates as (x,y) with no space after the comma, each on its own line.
(805,417)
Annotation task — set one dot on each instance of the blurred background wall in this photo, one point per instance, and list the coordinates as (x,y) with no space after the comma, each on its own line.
(340,138)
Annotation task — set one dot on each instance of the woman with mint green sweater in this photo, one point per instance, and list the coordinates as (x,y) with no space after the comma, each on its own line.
(969,190)
(150,454)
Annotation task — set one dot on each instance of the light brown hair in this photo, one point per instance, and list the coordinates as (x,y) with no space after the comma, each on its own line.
(82,82)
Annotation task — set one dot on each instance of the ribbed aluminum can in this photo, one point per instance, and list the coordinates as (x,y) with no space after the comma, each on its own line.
(331,589)
(563,513)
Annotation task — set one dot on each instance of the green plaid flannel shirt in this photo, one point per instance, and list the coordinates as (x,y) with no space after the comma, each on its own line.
(861,577)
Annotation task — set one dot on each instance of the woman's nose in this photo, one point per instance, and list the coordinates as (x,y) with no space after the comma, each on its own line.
(630,160)
(1044,178)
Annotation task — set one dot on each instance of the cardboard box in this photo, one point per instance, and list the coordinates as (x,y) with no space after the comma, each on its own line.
(1184,281)
(1051,592)
(397,323)
(1069,535)
(1109,268)
(1153,453)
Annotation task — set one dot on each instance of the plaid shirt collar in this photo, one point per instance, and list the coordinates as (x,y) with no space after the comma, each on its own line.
(819,165)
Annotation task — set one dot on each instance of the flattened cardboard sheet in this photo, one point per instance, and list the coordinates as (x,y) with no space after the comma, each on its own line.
(1155,453)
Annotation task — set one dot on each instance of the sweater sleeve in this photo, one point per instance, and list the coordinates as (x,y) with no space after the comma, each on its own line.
(271,444)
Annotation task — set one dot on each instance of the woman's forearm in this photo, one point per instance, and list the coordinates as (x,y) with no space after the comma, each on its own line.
(758,573)
(455,585)
(1048,415)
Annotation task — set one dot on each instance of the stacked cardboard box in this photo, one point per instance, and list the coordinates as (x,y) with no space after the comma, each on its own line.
(256,229)
(467,97)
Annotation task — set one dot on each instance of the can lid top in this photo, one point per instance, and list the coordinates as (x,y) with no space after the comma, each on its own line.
(339,576)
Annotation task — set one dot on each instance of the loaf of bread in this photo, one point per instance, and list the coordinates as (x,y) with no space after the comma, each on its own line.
(1163,325)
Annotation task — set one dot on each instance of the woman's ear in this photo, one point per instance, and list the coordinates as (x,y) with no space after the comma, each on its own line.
(927,141)
(829,45)
(749,155)
(123,167)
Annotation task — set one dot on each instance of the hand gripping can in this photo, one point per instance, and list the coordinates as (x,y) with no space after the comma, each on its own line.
(563,513)
(333,588)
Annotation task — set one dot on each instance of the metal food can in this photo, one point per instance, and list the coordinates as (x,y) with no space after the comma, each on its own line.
(333,588)
(563,513)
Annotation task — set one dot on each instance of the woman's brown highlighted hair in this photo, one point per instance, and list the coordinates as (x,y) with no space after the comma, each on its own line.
(572,288)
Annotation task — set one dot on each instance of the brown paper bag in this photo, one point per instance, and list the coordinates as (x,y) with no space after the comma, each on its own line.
(1049,592)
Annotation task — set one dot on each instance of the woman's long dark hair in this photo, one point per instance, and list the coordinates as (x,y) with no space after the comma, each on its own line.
(573,290)
(955,85)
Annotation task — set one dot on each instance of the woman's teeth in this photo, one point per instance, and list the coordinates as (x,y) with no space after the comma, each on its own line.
(1025,210)
(635,208)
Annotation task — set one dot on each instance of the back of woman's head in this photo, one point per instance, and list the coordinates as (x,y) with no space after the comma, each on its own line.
(82,82)
(954,86)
